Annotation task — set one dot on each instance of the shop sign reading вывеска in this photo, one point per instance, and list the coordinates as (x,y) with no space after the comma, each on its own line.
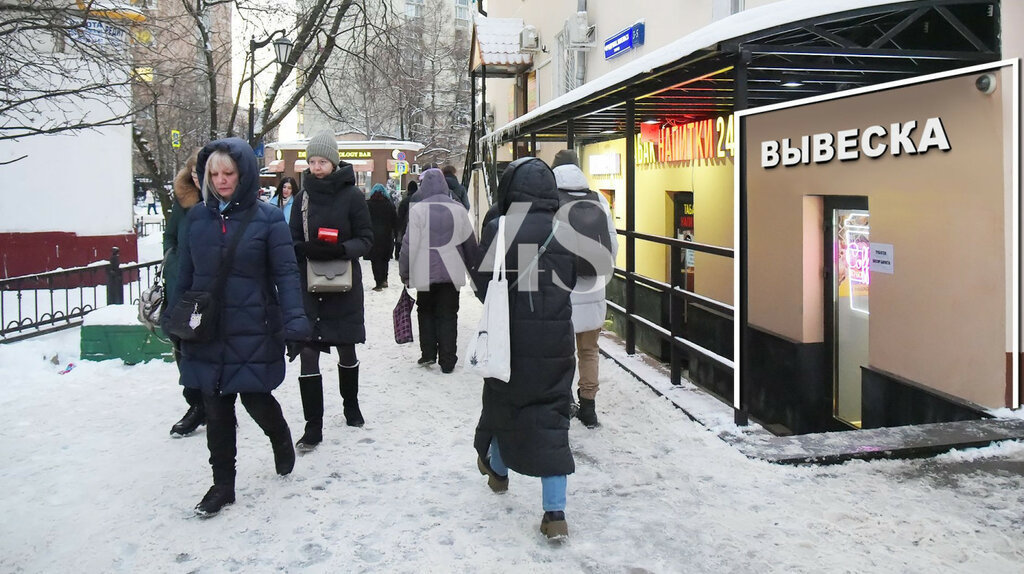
(847,145)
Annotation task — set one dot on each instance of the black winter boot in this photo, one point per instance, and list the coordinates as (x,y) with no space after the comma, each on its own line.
(588,413)
(216,498)
(348,384)
(266,411)
(284,452)
(194,417)
(311,387)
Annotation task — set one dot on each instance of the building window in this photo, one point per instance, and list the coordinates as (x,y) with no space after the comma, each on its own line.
(413,8)
(462,12)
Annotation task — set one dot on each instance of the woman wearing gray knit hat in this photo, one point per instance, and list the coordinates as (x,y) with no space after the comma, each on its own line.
(332,222)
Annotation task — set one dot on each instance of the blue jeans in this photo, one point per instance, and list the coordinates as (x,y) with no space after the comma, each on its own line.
(552,487)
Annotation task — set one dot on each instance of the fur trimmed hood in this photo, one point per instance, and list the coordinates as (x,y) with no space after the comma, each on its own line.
(185,191)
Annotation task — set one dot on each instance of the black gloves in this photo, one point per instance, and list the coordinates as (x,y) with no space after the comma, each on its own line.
(320,251)
(292,349)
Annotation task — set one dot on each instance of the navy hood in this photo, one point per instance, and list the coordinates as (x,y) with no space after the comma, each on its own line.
(530,180)
(247,192)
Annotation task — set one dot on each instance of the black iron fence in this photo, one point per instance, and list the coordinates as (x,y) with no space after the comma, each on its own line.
(143,228)
(33,305)
(691,332)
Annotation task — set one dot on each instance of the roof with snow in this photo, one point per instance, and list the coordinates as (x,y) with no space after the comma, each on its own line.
(495,45)
(348,144)
(787,50)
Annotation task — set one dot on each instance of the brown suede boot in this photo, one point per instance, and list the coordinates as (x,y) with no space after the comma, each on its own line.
(554,526)
(497,482)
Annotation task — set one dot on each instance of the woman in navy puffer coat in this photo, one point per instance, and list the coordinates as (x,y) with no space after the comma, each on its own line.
(260,307)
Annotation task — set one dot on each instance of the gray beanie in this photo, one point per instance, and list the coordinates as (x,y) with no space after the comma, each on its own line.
(323,145)
(565,157)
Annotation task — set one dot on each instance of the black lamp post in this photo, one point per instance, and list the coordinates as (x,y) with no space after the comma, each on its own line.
(282,49)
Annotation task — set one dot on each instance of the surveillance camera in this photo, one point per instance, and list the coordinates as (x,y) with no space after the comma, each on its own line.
(986,83)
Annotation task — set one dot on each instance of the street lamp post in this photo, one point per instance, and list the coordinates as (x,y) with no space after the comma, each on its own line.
(282,50)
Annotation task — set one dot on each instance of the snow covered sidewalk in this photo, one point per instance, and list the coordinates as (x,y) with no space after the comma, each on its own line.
(91,482)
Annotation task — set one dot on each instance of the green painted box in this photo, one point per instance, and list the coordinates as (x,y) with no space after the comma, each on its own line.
(113,332)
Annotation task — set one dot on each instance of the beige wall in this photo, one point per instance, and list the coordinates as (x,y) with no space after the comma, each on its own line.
(940,318)
(1012,13)
(712,187)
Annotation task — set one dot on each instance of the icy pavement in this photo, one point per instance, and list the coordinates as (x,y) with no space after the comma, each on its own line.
(91,482)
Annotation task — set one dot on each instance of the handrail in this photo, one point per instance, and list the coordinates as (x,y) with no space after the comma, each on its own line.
(32,305)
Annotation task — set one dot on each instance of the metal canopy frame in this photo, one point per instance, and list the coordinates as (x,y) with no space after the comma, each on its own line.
(808,58)
(813,57)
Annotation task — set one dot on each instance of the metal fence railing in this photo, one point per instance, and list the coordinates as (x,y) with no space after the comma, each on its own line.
(33,305)
(694,330)
(143,227)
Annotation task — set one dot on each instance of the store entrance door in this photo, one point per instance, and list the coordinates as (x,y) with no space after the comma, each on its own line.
(847,286)
(683,270)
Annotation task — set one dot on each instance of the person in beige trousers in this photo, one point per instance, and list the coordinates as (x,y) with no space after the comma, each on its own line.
(590,216)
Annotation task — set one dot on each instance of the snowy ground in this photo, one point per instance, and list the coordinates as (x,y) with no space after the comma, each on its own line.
(91,482)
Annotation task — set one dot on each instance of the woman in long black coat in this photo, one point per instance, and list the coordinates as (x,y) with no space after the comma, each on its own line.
(524,424)
(330,201)
(260,306)
(385,227)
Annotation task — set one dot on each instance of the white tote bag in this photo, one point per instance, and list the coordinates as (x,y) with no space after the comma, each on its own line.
(490,353)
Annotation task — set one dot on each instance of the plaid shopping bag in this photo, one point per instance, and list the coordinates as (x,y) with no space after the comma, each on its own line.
(402,317)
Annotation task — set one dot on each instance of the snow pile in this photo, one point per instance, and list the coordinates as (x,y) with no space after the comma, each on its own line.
(114,315)
(91,482)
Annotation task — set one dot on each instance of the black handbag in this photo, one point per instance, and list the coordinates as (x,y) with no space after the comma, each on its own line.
(196,316)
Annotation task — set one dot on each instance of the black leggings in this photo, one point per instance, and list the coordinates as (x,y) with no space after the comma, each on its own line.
(309,358)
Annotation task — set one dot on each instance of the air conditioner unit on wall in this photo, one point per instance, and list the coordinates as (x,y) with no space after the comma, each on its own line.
(487,114)
(529,40)
(579,30)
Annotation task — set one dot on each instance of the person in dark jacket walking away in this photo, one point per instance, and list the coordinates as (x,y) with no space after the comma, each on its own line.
(335,205)
(403,215)
(385,228)
(458,192)
(186,195)
(588,214)
(435,249)
(524,423)
(260,306)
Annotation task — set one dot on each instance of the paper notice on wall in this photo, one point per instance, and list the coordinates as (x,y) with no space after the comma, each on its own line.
(882,258)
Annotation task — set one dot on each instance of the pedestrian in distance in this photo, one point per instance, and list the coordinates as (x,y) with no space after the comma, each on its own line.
(186,196)
(260,306)
(435,248)
(385,227)
(151,203)
(285,196)
(334,211)
(524,423)
(457,190)
(588,214)
(403,215)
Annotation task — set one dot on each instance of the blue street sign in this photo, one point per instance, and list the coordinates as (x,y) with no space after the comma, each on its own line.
(624,41)
(259,149)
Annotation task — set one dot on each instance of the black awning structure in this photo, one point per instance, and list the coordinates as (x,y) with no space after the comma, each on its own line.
(872,44)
